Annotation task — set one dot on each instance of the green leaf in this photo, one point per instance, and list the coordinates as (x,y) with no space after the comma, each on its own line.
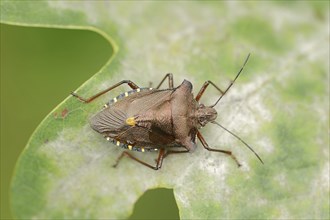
(279,105)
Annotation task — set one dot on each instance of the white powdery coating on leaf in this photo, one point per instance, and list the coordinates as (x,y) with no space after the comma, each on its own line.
(246,115)
(266,144)
(325,177)
(281,179)
(168,48)
(90,10)
(86,176)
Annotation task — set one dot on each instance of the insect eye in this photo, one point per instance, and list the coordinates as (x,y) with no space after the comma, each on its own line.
(202,118)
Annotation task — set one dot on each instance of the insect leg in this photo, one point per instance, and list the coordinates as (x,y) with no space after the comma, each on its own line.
(170,81)
(206,146)
(201,91)
(158,163)
(206,84)
(175,152)
(129,82)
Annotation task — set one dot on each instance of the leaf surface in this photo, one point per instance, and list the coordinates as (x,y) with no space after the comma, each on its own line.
(279,105)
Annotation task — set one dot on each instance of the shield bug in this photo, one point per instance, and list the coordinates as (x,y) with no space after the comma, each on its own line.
(166,121)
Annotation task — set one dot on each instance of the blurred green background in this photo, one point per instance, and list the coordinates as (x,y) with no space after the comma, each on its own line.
(39,68)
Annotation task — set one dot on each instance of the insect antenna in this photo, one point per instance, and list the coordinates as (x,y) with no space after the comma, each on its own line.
(248,146)
(232,82)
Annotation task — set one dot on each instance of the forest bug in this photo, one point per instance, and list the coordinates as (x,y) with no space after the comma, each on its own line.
(163,120)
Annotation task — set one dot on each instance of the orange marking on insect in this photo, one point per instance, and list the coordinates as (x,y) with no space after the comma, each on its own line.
(130,121)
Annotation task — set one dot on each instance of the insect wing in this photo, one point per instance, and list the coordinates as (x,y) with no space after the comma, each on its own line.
(112,120)
(145,101)
(109,120)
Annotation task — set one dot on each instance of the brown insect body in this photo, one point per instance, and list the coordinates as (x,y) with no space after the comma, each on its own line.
(162,118)
(145,119)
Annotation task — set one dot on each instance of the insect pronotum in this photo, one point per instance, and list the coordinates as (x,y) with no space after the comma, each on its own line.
(166,121)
